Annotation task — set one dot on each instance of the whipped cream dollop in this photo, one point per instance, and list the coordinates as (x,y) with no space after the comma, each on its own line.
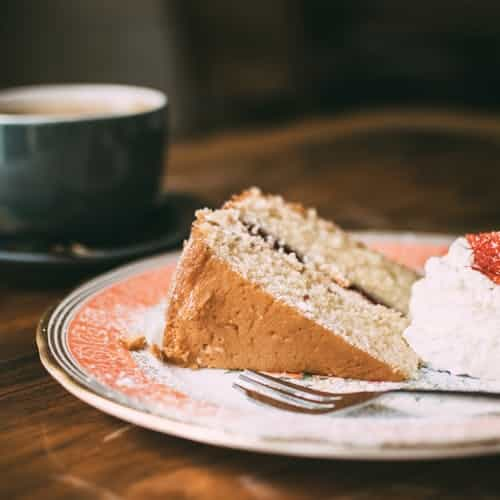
(455,315)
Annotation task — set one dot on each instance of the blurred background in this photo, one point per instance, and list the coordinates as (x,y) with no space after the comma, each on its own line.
(225,63)
(326,66)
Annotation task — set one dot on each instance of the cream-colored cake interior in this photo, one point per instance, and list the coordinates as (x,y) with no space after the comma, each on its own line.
(330,248)
(271,263)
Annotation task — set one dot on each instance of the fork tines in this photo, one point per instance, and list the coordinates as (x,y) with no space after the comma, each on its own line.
(281,394)
(286,395)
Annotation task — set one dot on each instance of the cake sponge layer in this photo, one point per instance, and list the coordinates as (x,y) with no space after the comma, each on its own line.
(324,244)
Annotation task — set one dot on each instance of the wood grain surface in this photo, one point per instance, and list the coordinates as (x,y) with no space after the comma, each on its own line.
(395,170)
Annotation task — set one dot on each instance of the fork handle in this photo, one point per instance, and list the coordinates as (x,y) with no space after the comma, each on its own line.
(450,392)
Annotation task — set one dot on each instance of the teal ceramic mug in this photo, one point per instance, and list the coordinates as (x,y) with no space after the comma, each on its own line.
(79,159)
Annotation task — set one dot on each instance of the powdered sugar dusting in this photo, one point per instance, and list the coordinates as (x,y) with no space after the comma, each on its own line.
(205,398)
(407,418)
(147,321)
(215,386)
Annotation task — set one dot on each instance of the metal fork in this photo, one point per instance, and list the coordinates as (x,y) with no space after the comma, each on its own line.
(272,391)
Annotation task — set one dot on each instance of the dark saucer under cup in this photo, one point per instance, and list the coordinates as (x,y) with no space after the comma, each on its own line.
(54,262)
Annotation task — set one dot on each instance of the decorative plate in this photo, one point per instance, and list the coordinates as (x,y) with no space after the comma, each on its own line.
(79,345)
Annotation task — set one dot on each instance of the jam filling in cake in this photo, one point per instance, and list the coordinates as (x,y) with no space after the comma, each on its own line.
(281,246)
(321,242)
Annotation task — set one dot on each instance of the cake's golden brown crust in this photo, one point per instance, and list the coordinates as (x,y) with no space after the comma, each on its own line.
(237,198)
(218,319)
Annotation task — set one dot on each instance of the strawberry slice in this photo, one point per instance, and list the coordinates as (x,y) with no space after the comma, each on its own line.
(486,249)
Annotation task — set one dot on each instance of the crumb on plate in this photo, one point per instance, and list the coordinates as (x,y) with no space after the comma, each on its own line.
(133,343)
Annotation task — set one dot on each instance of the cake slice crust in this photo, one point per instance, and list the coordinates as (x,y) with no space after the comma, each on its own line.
(244,298)
(217,318)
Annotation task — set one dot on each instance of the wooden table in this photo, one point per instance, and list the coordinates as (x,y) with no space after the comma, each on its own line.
(398,170)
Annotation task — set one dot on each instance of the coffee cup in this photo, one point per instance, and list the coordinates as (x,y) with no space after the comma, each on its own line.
(79,159)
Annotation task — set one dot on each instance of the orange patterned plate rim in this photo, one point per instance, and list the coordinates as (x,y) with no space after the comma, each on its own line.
(78,345)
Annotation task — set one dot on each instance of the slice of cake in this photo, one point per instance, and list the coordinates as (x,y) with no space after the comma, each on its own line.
(455,309)
(270,286)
